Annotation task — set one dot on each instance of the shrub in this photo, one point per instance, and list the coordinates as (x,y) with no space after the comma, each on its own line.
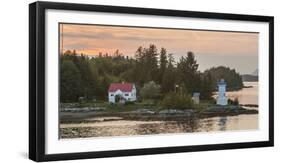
(150,90)
(236,101)
(129,102)
(176,101)
(233,102)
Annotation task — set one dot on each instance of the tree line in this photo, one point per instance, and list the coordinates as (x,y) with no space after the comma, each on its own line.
(90,77)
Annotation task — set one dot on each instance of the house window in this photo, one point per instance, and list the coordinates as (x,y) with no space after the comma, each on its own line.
(126,94)
(111,94)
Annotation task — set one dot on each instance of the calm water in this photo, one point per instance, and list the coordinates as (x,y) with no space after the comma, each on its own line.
(125,127)
(119,127)
(246,95)
(240,122)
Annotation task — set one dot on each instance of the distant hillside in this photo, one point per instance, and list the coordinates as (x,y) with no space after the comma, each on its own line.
(233,79)
(256,72)
(249,78)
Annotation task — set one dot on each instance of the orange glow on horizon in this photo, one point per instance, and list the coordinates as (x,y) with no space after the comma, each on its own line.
(91,39)
(208,46)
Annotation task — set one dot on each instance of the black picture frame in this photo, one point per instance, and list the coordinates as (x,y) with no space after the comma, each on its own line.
(37,80)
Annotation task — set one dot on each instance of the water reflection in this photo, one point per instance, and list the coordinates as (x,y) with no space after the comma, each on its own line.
(222,123)
(241,122)
(231,123)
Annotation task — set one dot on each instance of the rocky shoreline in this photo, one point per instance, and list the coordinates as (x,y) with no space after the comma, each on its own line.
(85,114)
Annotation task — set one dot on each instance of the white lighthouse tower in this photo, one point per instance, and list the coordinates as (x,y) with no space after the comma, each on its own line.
(221,99)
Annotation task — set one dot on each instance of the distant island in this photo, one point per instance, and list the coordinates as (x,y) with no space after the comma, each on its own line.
(256,72)
(253,77)
(250,78)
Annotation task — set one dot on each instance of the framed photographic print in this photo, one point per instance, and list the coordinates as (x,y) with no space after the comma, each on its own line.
(118,81)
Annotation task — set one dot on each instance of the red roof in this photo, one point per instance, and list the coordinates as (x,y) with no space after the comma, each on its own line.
(124,87)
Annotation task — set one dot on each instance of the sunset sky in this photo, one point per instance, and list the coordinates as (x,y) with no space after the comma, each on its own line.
(233,49)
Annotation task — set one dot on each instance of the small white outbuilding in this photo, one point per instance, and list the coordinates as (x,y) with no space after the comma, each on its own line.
(196,97)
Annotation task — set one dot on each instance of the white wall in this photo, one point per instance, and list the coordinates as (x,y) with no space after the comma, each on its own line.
(14,79)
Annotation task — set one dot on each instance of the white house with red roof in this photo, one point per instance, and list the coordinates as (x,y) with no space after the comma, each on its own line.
(122,92)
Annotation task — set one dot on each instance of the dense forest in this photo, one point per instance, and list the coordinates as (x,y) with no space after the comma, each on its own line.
(154,72)
(233,79)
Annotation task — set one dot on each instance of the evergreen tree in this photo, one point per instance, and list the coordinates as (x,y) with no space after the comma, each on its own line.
(188,74)
(139,71)
(70,82)
(150,63)
(206,90)
(171,59)
(169,76)
(163,64)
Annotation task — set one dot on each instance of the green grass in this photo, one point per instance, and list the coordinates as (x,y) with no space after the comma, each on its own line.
(145,104)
